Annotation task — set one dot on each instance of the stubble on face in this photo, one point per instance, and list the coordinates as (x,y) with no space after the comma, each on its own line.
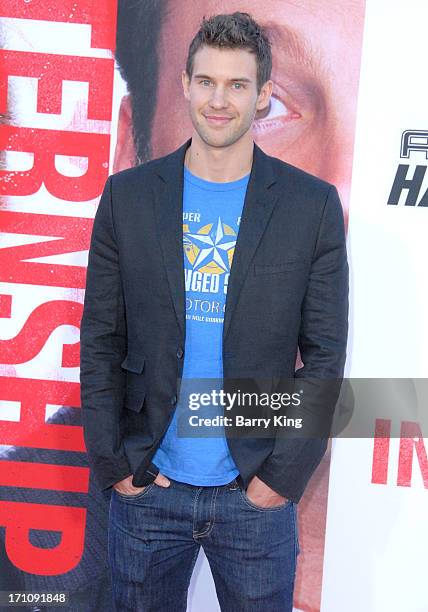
(222,104)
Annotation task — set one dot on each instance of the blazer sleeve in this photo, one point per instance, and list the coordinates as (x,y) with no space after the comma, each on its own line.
(322,343)
(103,344)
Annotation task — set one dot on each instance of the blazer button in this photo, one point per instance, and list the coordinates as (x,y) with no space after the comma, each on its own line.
(180,353)
(173,400)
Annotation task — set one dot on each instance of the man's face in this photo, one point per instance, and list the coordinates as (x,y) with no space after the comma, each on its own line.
(222,94)
(316,47)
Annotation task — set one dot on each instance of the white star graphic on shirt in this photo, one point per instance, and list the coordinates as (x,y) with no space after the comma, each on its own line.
(213,245)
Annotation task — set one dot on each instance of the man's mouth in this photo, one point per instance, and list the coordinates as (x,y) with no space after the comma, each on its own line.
(217,119)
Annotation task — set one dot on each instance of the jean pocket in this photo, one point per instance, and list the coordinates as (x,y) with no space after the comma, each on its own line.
(253,506)
(127,497)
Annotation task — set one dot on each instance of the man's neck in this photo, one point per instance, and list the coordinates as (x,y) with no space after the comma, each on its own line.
(220,164)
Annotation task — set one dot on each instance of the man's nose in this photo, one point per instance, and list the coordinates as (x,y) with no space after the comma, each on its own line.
(218,98)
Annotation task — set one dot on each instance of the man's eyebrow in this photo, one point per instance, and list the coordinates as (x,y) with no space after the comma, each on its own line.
(240,79)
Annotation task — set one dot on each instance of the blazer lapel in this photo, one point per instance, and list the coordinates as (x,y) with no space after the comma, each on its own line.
(258,206)
(169,218)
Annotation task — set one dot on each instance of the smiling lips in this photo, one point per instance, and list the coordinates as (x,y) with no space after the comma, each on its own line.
(217,119)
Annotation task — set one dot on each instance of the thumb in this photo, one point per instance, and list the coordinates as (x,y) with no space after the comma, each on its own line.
(162,480)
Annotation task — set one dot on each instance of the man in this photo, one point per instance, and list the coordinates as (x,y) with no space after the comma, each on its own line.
(280,265)
(316,52)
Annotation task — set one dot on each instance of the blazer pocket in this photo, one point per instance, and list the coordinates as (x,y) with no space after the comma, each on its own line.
(135,392)
(281,266)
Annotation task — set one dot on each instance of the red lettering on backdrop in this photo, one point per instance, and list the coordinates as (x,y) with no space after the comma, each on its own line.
(72,234)
(100,15)
(31,430)
(381,451)
(51,70)
(40,324)
(19,518)
(44,476)
(45,144)
(410,439)
(5,306)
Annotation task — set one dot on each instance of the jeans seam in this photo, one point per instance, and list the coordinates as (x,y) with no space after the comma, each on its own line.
(295,545)
(296,531)
(212,511)
(211,522)
(195,504)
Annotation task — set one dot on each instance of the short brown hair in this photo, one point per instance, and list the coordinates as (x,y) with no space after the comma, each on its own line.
(235,31)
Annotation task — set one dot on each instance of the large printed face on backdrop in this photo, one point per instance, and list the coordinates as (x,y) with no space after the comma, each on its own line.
(316,46)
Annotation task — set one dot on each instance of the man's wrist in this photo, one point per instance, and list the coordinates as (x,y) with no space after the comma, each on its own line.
(268,481)
(148,476)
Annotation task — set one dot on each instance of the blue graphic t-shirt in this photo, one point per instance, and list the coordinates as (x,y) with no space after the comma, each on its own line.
(211,216)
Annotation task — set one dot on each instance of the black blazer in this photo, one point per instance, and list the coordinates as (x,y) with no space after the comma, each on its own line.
(288,288)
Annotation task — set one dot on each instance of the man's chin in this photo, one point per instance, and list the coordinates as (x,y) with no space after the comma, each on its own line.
(217,140)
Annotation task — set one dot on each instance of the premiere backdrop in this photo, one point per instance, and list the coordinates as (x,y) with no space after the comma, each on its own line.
(88,88)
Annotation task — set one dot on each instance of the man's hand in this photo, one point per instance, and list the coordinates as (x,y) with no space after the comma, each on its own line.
(260,494)
(125,486)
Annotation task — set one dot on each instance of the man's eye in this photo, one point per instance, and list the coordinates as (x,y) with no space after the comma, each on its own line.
(276,115)
(238,86)
(205,82)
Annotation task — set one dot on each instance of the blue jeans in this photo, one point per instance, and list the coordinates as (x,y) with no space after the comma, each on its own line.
(155,537)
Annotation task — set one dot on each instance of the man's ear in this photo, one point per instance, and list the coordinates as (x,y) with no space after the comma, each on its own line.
(185,79)
(264,96)
(125,155)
